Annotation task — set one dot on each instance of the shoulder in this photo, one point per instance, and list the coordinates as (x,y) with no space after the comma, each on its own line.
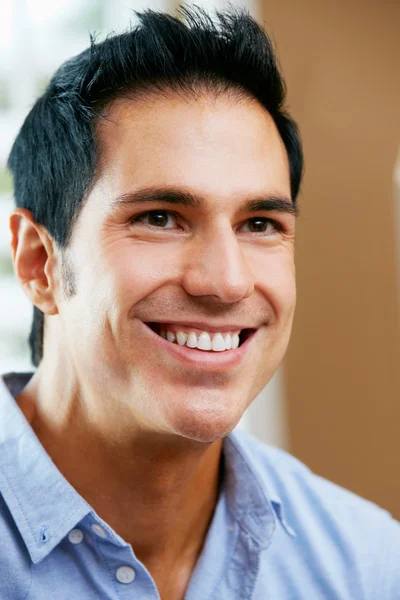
(329,521)
(292,481)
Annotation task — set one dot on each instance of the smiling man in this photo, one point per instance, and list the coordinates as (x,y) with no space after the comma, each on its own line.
(156,184)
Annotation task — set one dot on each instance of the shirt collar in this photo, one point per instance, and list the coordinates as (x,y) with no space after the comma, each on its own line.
(252,495)
(45,507)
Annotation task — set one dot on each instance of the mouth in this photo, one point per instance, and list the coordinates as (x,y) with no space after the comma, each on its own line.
(243,335)
(207,361)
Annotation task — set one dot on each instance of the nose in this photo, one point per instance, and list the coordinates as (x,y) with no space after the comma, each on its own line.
(215,265)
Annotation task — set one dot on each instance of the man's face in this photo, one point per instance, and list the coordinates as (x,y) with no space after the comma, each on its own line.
(213,263)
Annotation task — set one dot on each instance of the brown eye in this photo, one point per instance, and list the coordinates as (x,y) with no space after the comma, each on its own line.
(260,225)
(257,225)
(159,219)
(155,218)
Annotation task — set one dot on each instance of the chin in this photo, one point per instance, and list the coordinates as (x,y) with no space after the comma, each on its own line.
(206,427)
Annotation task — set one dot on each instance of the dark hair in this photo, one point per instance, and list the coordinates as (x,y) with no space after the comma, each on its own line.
(53,159)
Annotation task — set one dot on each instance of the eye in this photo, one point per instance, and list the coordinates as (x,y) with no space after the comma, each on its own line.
(258,224)
(156,218)
(159,218)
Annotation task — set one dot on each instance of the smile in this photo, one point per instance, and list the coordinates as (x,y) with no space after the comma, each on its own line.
(202,340)
(194,357)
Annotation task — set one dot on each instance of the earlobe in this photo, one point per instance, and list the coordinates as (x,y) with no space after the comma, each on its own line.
(34,260)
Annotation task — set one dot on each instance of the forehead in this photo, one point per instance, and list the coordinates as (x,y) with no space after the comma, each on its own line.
(217,147)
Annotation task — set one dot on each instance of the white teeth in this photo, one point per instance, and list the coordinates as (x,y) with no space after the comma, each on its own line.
(228,341)
(204,341)
(192,340)
(170,336)
(219,343)
(181,338)
(235,341)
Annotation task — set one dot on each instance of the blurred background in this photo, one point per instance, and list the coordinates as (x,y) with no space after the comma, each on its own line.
(335,401)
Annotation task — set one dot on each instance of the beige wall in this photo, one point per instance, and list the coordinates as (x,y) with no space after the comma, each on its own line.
(342,370)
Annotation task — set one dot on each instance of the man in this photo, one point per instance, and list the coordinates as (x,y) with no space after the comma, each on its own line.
(120,475)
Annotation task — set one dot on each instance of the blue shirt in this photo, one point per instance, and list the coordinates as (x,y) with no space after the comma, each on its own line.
(279,531)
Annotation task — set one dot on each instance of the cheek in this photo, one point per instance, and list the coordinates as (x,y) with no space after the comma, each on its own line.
(133,273)
(277,283)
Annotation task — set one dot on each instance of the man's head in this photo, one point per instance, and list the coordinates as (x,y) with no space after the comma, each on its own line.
(168,111)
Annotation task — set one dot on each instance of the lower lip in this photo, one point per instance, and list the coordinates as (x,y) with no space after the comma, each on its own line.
(214,361)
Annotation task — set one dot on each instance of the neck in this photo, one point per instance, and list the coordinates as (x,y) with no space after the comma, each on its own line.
(157,492)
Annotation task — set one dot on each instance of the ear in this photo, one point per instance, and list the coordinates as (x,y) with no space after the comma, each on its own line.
(34,260)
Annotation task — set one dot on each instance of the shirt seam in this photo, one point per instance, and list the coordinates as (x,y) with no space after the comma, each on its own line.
(111,574)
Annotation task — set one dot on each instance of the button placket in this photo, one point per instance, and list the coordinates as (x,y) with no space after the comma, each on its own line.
(125,574)
(99,530)
(75,536)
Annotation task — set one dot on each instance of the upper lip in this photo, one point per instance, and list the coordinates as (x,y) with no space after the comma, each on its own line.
(209,326)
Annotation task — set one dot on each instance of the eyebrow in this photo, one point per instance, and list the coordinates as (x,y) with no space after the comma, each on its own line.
(177,196)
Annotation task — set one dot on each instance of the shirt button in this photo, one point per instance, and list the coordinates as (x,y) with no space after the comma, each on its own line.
(75,536)
(125,574)
(99,530)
